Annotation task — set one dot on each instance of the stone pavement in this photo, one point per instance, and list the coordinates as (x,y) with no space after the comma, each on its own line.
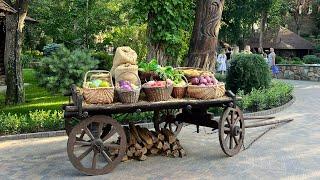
(291,151)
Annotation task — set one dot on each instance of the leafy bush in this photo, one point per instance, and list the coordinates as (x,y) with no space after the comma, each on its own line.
(105,60)
(30,56)
(248,71)
(35,121)
(317,48)
(296,62)
(311,59)
(49,49)
(63,68)
(278,94)
(296,59)
(280,60)
(220,77)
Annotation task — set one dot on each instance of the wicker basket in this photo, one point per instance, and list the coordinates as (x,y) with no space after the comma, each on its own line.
(201,72)
(179,92)
(100,95)
(206,92)
(128,96)
(148,76)
(158,93)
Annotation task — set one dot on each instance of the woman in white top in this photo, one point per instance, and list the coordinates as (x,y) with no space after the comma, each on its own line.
(222,60)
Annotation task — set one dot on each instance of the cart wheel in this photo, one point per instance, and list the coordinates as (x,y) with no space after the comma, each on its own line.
(93,151)
(231,131)
(68,125)
(167,119)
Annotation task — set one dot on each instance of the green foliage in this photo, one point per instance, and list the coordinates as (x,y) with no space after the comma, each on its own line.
(317,48)
(151,66)
(220,77)
(49,49)
(34,121)
(133,36)
(248,71)
(37,98)
(30,56)
(169,22)
(105,60)
(280,60)
(63,68)
(311,59)
(278,94)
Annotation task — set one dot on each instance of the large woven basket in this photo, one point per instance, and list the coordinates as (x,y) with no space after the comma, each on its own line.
(206,92)
(179,92)
(200,71)
(158,93)
(128,96)
(100,95)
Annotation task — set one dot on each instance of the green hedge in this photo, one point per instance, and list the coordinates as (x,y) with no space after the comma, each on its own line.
(262,99)
(35,121)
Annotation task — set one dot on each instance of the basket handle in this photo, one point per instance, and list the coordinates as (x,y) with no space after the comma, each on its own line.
(137,77)
(98,72)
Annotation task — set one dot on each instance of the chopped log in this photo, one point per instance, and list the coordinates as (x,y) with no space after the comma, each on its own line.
(175,153)
(130,153)
(159,145)
(143,157)
(154,151)
(144,135)
(169,136)
(154,136)
(160,137)
(138,146)
(144,150)
(134,132)
(167,153)
(131,140)
(149,146)
(138,153)
(125,158)
(174,147)
(182,153)
(166,146)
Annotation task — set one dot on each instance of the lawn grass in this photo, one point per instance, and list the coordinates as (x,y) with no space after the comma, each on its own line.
(37,98)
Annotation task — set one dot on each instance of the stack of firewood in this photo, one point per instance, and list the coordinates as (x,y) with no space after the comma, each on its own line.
(143,143)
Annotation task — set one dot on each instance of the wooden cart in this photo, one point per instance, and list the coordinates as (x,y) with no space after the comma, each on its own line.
(91,137)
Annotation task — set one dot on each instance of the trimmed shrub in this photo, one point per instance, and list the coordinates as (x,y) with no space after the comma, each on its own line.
(317,48)
(35,121)
(105,60)
(246,72)
(311,59)
(296,59)
(64,68)
(278,94)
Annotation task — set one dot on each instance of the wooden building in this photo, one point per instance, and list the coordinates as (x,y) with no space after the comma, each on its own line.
(5,8)
(285,42)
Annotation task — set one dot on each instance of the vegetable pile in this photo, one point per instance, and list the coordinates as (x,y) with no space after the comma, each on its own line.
(98,83)
(127,86)
(204,81)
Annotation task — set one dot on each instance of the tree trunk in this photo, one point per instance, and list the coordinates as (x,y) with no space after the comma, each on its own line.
(13,67)
(203,43)
(262,28)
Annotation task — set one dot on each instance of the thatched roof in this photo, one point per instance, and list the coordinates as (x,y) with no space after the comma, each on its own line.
(5,7)
(282,39)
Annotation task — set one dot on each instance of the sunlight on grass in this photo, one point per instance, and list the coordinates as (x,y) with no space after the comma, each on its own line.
(36,97)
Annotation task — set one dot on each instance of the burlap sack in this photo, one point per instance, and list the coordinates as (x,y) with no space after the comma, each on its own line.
(124,55)
(120,70)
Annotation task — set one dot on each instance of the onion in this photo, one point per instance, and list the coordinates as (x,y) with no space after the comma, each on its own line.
(195,81)
(203,81)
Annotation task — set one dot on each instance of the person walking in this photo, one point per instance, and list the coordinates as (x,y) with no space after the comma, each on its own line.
(272,63)
(222,60)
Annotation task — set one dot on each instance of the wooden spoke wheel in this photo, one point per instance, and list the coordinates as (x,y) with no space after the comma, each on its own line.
(96,145)
(167,119)
(231,131)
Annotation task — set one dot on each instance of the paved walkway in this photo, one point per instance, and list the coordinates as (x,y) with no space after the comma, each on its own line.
(291,151)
